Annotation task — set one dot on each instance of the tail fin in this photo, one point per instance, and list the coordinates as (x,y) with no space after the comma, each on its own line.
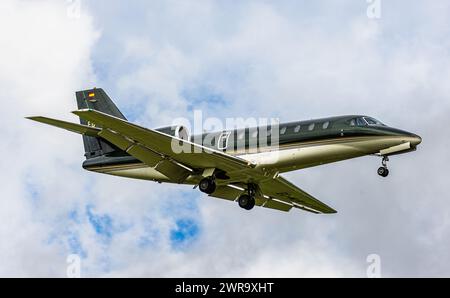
(97,99)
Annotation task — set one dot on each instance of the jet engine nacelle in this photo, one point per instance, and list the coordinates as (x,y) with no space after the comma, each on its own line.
(178,131)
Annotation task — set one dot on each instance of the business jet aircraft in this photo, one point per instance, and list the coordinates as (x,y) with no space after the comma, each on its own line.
(217,165)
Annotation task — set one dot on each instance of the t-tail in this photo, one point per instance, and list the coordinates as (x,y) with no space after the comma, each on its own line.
(94,146)
(97,99)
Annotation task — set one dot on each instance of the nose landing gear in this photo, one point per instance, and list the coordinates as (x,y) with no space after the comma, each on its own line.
(383,170)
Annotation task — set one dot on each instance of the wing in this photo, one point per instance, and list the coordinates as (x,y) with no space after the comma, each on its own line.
(281,191)
(277,194)
(150,146)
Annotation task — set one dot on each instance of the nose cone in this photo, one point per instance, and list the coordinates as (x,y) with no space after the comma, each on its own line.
(412,138)
(405,136)
(415,140)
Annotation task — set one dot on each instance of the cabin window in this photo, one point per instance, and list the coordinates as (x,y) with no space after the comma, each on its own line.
(241,135)
(311,126)
(326,124)
(255,134)
(297,128)
(283,130)
(352,122)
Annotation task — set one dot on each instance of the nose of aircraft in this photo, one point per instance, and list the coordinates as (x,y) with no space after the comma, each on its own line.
(406,136)
(415,139)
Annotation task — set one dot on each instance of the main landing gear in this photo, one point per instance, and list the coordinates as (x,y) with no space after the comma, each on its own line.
(207,185)
(247,201)
(383,170)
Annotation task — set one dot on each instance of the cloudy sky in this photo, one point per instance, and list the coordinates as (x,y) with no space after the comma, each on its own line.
(160,60)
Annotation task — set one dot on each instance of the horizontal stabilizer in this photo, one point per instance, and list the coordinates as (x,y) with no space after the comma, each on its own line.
(73,127)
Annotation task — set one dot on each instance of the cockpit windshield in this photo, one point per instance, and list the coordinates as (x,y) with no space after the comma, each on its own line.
(363,121)
(372,121)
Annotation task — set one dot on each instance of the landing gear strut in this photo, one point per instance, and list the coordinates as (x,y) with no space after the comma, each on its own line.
(207,185)
(247,201)
(383,170)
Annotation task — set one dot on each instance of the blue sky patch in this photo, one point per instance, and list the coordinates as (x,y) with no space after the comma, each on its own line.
(102,224)
(185,232)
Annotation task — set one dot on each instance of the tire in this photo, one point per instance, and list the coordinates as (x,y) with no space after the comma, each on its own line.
(383,172)
(207,185)
(247,202)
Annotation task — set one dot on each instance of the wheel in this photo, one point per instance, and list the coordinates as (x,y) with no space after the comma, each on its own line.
(207,185)
(247,202)
(383,172)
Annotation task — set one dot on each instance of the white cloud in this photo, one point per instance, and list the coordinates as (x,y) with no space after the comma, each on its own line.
(45,56)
